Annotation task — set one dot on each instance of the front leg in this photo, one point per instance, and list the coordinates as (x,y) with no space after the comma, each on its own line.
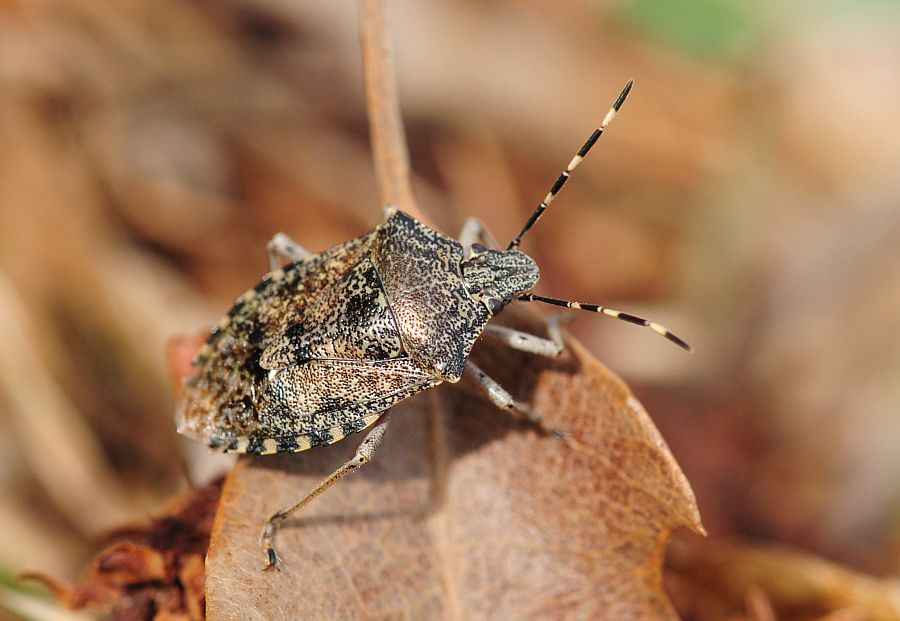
(523,341)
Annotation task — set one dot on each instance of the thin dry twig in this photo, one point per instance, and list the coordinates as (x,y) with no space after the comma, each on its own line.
(386,126)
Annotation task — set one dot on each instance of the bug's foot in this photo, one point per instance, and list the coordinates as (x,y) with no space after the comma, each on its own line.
(538,421)
(272,558)
(546,430)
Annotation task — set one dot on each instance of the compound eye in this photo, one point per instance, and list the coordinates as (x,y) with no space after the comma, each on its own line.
(478,248)
(495,304)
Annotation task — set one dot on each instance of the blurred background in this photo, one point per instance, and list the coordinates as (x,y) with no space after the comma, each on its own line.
(747,197)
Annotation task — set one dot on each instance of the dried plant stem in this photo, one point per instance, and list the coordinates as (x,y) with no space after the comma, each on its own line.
(385,124)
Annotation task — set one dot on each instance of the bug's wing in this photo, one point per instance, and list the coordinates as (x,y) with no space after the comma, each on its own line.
(324,306)
(420,271)
(348,320)
(320,402)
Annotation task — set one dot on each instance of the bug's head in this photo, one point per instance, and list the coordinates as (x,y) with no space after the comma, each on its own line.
(496,277)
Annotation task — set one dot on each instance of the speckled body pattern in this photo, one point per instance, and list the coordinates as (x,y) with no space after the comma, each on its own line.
(321,348)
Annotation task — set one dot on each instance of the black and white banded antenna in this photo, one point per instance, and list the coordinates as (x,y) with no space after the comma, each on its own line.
(609,312)
(576,160)
(560,182)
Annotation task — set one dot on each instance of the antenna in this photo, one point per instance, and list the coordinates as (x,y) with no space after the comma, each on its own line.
(576,160)
(609,312)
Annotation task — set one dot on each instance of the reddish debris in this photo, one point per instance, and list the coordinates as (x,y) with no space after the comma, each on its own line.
(150,573)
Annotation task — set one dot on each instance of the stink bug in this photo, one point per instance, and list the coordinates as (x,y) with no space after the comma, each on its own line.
(325,344)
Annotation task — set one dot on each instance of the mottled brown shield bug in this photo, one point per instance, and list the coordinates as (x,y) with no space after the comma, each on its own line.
(325,344)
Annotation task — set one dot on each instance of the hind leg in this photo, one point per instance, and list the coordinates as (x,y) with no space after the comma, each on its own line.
(363,456)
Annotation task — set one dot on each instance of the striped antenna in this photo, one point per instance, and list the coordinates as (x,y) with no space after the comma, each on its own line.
(609,312)
(564,176)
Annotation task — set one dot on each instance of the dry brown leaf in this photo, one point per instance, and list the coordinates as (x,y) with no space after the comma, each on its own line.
(518,526)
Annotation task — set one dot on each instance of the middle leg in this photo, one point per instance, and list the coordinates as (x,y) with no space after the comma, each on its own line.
(474,231)
(500,397)
(282,248)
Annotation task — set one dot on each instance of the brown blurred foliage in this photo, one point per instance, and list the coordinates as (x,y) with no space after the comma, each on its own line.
(746,196)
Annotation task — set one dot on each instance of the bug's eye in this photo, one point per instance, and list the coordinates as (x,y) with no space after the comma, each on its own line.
(495,304)
(478,248)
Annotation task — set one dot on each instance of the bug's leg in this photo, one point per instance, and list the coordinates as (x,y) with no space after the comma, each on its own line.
(523,341)
(363,456)
(500,397)
(282,249)
(474,231)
